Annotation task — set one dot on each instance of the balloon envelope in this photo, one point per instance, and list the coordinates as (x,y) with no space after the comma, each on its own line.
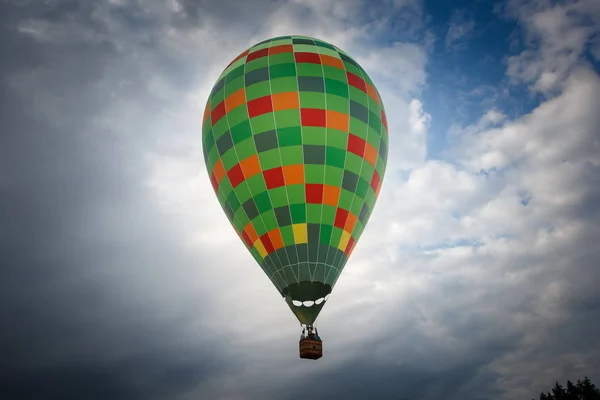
(295,143)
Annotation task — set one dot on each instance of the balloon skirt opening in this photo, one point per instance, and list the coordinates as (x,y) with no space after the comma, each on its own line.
(302,299)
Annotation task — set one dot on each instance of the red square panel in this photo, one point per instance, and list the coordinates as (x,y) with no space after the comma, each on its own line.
(356,145)
(350,246)
(313,117)
(312,58)
(247,239)
(260,106)
(340,218)
(314,193)
(356,81)
(384,119)
(284,48)
(213,181)
(266,241)
(235,175)
(274,178)
(217,113)
(375,181)
(257,54)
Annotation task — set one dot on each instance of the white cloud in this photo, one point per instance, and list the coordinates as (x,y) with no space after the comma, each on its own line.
(557,37)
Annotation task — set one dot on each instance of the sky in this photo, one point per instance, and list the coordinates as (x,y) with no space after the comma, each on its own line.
(476,277)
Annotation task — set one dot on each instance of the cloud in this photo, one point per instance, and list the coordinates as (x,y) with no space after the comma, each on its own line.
(556,40)
(474,278)
(459,31)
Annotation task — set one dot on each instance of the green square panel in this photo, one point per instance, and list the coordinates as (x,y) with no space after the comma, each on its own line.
(269,220)
(241,218)
(263,203)
(287,118)
(309,69)
(283,85)
(284,70)
(207,127)
(358,128)
(236,71)
(292,155)
(279,196)
(314,135)
(312,100)
(242,192)
(225,186)
(213,156)
(237,116)
(374,121)
(345,199)
(328,52)
(313,213)
(367,171)
(314,173)
(209,140)
(269,159)
(278,41)
(325,233)
(333,176)
(287,234)
(337,139)
(373,138)
(359,96)
(337,103)
(281,58)
(336,236)
(296,194)
(291,136)
(298,212)
(334,73)
(257,90)
(241,131)
(356,205)
(353,69)
(328,214)
(380,166)
(245,149)
(257,63)
(229,159)
(220,128)
(263,45)
(305,48)
(370,198)
(362,188)
(335,157)
(353,163)
(217,98)
(256,184)
(374,107)
(358,229)
(340,89)
(262,123)
(259,226)
(221,197)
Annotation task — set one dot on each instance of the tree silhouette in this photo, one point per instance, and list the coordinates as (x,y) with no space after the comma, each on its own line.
(582,390)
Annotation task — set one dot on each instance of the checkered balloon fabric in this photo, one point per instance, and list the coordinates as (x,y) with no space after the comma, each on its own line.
(295,143)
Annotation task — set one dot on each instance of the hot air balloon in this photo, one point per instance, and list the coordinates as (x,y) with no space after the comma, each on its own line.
(295,143)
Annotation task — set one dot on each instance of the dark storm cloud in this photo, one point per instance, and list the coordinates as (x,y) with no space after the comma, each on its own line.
(87,258)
